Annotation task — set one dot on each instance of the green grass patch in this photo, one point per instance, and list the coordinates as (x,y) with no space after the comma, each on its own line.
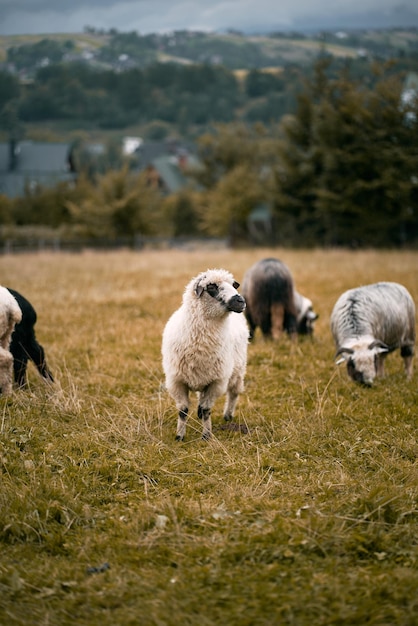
(310,518)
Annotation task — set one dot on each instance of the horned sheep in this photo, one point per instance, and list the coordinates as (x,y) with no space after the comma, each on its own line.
(370,321)
(10,314)
(204,348)
(273,304)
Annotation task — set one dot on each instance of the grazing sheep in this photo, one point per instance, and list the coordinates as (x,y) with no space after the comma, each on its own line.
(369,322)
(273,304)
(305,314)
(10,314)
(24,345)
(204,347)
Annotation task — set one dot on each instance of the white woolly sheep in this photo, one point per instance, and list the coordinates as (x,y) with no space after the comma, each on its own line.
(204,347)
(10,314)
(370,321)
(273,304)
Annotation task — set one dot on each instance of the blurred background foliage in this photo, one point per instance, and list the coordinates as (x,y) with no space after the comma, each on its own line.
(328,150)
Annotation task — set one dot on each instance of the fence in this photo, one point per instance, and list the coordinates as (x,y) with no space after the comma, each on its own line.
(16,246)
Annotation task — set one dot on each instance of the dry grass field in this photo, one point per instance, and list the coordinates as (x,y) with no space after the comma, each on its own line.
(309,518)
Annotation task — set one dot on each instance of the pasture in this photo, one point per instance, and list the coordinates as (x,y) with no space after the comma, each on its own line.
(309,518)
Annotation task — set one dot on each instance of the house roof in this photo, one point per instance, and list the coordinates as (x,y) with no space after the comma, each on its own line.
(36,157)
(147,151)
(38,163)
(170,172)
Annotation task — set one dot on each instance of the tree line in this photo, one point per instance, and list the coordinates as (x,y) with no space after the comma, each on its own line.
(341,170)
(184,97)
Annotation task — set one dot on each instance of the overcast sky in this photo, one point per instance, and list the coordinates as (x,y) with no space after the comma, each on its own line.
(150,16)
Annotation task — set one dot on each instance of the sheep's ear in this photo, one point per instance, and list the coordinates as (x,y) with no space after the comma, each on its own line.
(235,284)
(198,289)
(344,352)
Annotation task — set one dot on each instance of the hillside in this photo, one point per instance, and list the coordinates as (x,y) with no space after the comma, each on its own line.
(82,41)
(232,49)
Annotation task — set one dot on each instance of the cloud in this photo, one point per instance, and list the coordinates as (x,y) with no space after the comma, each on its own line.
(145,16)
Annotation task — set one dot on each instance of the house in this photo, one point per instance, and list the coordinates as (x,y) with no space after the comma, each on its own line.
(169,174)
(167,164)
(32,164)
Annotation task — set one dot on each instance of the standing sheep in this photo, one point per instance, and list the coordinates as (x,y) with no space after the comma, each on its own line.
(273,304)
(369,322)
(204,347)
(10,314)
(24,345)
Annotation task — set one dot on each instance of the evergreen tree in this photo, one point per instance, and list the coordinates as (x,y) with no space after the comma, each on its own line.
(347,167)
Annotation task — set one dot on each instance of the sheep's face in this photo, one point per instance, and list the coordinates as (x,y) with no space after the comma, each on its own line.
(217,290)
(306,315)
(307,322)
(361,367)
(362,361)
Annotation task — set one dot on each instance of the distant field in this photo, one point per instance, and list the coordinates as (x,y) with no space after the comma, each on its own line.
(81,40)
(310,45)
(310,518)
(296,50)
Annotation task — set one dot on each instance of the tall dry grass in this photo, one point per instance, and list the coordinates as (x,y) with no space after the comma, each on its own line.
(309,518)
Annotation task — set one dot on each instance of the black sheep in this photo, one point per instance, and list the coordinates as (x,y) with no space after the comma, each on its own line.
(24,346)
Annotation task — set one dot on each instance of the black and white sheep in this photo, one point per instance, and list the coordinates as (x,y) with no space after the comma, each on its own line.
(10,314)
(24,345)
(273,304)
(370,321)
(204,347)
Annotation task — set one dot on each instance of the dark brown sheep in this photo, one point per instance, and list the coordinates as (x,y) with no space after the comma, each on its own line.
(273,304)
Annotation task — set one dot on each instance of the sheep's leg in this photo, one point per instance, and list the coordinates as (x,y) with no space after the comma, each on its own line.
(6,372)
(235,387)
(380,364)
(207,399)
(251,324)
(290,324)
(408,366)
(181,424)
(20,363)
(277,319)
(180,393)
(407,353)
(37,354)
(205,415)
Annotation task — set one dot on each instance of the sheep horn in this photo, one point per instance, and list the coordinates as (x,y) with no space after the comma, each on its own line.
(342,350)
(378,344)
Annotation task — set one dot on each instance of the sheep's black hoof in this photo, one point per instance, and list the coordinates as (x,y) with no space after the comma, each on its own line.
(206,436)
(179,438)
(228,418)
